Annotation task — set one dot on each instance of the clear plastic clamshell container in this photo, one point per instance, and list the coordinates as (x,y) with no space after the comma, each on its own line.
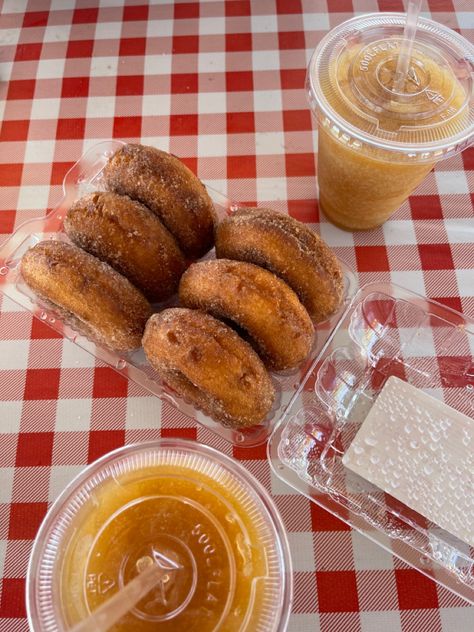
(387,331)
(84,177)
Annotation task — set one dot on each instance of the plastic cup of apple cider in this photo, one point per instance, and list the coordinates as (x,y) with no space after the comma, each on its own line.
(172,500)
(376,145)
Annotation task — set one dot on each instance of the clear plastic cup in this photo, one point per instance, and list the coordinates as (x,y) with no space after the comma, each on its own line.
(376,145)
(166,500)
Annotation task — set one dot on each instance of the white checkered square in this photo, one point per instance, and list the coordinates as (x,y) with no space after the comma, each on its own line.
(302,554)
(39,151)
(10,415)
(143,413)
(334,236)
(465,19)
(75,357)
(279,487)
(383,620)
(160,142)
(304,623)
(212,145)
(10,36)
(267,101)
(368,555)
(108,30)
(399,233)
(451,182)
(6,71)
(100,107)
(3,552)
(159,28)
(61,476)
(14,354)
(104,67)
(6,483)
(212,102)
(268,143)
(261,60)
(45,109)
(211,62)
(14,6)
(50,68)
(271,189)
(34,198)
(155,104)
(57,33)
(158,65)
(411,279)
(465,280)
(73,415)
(264,24)
(316,21)
(10,306)
(459,231)
(419,344)
(211,26)
(62,5)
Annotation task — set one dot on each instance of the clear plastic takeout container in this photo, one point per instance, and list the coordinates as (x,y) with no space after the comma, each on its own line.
(181,506)
(84,177)
(387,331)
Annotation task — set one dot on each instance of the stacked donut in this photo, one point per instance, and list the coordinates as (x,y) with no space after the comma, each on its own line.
(129,247)
(272,279)
(250,310)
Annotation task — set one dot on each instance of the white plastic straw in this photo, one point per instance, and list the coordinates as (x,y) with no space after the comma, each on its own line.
(404,57)
(112,610)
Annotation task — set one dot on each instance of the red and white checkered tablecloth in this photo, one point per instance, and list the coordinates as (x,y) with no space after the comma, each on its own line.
(220,84)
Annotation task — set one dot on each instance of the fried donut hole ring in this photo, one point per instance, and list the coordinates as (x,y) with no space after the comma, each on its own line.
(290,250)
(256,301)
(171,190)
(206,362)
(88,294)
(130,238)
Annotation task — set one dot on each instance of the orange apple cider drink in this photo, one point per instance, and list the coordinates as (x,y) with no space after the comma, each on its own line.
(375,146)
(187,510)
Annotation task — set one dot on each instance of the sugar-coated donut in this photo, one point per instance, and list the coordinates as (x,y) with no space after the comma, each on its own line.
(171,190)
(290,250)
(130,238)
(87,294)
(257,301)
(206,362)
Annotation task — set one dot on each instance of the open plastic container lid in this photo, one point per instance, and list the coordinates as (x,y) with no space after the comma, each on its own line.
(229,544)
(387,331)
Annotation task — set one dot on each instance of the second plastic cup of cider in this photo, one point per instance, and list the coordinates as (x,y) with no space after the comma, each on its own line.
(375,145)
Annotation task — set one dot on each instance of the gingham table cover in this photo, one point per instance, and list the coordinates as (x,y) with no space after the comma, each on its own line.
(220,84)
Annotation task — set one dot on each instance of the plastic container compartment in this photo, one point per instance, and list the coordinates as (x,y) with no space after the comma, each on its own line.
(229,544)
(84,177)
(386,331)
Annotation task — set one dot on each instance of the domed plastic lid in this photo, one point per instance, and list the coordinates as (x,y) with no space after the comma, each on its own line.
(351,77)
(177,504)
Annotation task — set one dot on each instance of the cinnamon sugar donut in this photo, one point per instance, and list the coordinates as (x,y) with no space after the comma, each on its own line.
(256,301)
(171,190)
(130,238)
(290,250)
(87,294)
(206,362)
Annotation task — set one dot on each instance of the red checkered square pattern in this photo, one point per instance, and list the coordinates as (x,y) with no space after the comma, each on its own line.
(220,84)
